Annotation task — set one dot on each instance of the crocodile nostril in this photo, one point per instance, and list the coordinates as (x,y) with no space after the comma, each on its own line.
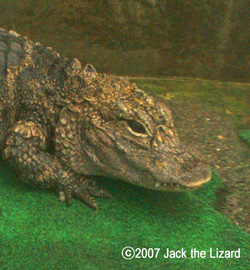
(190,161)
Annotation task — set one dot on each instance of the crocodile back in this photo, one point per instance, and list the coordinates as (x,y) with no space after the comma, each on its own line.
(11,52)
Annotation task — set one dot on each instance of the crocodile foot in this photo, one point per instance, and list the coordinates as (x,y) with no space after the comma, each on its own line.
(84,190)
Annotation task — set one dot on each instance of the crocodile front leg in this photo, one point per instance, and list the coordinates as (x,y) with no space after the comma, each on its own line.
(26,152)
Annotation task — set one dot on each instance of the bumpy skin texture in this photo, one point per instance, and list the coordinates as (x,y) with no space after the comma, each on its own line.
(99,126)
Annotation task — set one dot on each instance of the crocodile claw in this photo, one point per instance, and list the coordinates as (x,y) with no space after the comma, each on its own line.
(84,190)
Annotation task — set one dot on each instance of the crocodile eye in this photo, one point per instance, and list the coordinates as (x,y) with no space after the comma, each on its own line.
(136,127)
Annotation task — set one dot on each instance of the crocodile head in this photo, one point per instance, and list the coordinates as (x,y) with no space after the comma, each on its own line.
(127,134)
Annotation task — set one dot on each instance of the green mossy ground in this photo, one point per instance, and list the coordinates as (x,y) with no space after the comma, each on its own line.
(245,135)
(38,232)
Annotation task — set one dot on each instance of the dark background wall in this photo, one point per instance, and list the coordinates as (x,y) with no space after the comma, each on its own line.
(208,39)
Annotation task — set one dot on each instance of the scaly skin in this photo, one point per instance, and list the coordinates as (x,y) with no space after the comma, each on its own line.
(98,125)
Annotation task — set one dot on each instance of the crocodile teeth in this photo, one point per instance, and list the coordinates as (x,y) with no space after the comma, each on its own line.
(157,184)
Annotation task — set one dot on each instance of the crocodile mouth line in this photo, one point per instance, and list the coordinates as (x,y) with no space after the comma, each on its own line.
(173,187)
(180,187)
